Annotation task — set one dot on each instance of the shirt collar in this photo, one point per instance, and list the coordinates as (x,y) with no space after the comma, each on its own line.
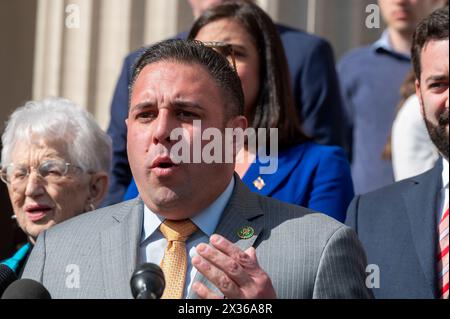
(206,221)
(445,172)
(384,45)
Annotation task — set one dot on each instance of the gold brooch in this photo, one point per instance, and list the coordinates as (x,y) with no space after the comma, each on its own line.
(259,183)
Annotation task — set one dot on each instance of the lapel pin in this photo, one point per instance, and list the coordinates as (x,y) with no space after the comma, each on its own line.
(259,183)
(246,232)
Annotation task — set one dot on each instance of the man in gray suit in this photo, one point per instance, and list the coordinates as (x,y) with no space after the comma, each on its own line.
(244,246)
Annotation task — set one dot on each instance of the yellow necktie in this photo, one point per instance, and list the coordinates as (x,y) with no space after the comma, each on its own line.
(174,263)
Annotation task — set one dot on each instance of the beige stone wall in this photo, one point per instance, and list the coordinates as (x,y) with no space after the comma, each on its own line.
(17,41)
(76,47)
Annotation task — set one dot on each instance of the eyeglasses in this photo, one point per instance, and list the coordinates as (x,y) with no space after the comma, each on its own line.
(225,49)
(52,170)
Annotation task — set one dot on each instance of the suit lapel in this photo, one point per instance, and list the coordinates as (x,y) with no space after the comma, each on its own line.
(242,211)
(421,206)
(119,247)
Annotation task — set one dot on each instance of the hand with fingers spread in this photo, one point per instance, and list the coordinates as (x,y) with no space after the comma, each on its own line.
(237,274)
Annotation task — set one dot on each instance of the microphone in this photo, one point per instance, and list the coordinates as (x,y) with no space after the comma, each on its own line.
(147,282)
(26,289)
(7,276)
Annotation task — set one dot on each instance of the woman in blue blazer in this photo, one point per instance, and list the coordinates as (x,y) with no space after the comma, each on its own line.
(308,174)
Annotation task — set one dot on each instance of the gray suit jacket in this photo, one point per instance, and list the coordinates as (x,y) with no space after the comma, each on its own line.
(307,255)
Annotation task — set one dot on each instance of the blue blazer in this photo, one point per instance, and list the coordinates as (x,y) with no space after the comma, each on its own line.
(316,92)
(397,226)
(310,175)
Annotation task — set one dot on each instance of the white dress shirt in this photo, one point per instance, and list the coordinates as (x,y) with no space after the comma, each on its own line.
(443,198)
(153,243)
(413,152)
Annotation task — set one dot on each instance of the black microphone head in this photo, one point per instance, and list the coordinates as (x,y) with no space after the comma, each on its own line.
(26,289)
(7,276)
(147,282)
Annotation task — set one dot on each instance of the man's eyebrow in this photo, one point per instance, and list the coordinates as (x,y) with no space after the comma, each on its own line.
(142,106)
(435,78)
(186,104)
(177,103)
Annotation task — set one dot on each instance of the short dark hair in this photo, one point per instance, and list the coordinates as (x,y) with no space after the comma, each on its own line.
(275,106)
(433,27)
(196,53)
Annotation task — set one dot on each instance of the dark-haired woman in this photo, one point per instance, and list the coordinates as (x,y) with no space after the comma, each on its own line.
(308,174)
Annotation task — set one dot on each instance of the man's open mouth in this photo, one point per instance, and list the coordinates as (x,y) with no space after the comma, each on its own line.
(163,163)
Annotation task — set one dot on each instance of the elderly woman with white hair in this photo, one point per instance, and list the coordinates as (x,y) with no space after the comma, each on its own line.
(55,162)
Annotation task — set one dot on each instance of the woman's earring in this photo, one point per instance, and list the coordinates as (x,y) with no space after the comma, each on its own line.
(91,206)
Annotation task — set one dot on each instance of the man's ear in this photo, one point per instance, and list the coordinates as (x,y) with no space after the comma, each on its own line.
(239,122)
(98,186)
(419,96)
(236,123)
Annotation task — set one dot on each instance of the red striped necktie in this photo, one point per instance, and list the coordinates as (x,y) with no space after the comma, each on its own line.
(443,257)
